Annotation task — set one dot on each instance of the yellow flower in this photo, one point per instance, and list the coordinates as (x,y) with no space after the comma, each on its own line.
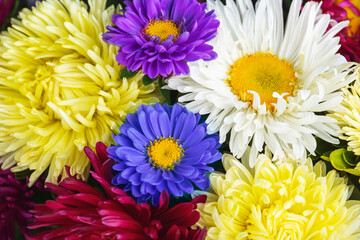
(60,88)
(349,116)
(284,201)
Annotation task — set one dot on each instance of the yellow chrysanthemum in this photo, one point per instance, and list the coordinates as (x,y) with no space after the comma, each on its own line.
(349,117)
(284,201)
(60,88)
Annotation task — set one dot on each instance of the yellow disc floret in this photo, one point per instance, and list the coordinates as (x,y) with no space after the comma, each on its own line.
(264,74)
(162,29)
(164,153)
(354,18)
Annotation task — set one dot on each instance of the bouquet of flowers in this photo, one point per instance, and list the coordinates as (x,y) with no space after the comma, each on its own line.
(180,119)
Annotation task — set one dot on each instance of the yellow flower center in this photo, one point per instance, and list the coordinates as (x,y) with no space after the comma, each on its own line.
(264,74)
(165,152)
(354,24)
(162,29)
(41,90)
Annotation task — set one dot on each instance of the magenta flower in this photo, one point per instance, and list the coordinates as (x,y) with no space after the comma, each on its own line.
(5,8)
(83,212)
(15,204)
(341,10)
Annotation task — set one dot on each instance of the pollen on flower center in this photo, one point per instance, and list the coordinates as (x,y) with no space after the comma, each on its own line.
(164,153)
(162,29)
(264,74)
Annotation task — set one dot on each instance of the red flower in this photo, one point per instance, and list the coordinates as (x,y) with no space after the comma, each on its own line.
(15,203)
(5,8)
(83,212)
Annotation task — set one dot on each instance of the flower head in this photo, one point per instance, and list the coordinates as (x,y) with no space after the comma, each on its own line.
(162,148)
(341,10)
(60,87)
(83,212)
(348,116)
(269,85)
(279,201)
(15,203)
(160,36)
(5,8)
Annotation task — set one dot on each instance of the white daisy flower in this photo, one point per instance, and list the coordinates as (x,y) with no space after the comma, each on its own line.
(269,85)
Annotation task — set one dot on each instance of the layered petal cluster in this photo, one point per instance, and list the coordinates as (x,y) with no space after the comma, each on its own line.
(348,116)
(279,201)
(82,212)
(269,85)
(162,148)
(15,203)
(350,36)
(161,36)
(5,8)
(60,88)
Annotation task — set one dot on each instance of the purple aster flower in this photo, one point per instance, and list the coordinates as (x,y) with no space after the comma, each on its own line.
(14,204)
(160,36)
(162,148)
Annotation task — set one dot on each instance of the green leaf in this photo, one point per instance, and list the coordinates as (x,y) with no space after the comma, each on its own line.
(326,156)
(323,146)
(126,73)
(352,171)
(147,80)
(350,158)
(170,96)
(337,159)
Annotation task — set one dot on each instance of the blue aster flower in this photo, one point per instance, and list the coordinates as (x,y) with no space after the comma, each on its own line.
(160,36)
(162,148)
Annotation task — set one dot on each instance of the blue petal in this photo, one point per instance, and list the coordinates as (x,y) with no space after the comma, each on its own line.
(144,168)
(154,177)
(135,190)
(119,166)
(144,123)
(135,179)
(174,189)
(154,124)
(196,136)
(164,123)
(175,112)
(190,123)
(139,140)
(117,180)
(161,186)
(198,148)
(147,172)
(123,140)
(179,124)
(127,172)
(176,178)
(132,120)
(186,186)
(192,159)
(204,184)
(184,170)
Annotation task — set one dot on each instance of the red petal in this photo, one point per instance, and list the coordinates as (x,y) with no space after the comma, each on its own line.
(199,199)
(173,233)
(101,151)
(95,161)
